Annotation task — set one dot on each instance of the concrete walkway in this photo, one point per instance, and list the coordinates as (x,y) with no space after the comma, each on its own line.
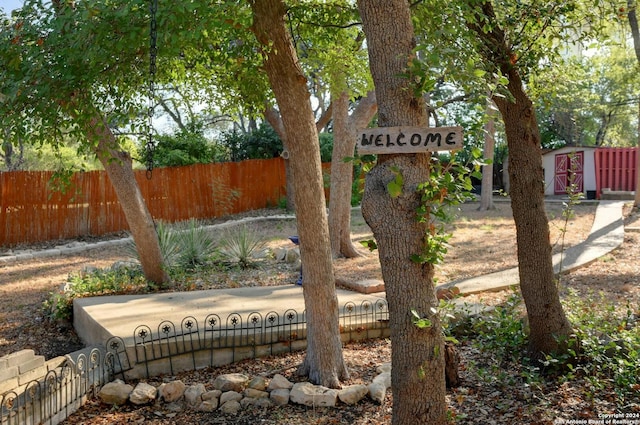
(97,319)
(607,233)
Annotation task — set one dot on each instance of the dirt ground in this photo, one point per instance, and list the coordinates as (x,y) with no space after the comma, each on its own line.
(482,242)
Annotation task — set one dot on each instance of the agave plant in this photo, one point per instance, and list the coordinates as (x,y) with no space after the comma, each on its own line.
(185,244)
(239,246)
(195,243)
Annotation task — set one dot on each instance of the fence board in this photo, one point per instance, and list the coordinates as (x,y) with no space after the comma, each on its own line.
(616,169)
(31,212)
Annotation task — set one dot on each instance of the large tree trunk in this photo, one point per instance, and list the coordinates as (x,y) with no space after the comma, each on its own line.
(323,363)
(118,165)
(548,325)
(636,202)
(417,379)
(344,141)
(635,33)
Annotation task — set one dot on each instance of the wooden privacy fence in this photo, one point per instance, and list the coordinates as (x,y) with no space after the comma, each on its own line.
(616,169)
(32,212)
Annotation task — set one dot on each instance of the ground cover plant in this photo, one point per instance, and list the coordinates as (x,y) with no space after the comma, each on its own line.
(602,300)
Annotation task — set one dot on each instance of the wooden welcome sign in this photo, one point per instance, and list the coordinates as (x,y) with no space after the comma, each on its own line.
(400,140)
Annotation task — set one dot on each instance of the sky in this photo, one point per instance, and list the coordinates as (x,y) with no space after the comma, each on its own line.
(9,5)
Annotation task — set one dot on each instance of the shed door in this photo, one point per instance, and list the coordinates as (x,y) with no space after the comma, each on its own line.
(569,168)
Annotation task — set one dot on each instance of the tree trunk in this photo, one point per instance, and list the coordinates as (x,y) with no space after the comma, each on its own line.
(486,195)
(323,362)
(635,33)
(549,327)
(275,120)
(344,141)
(118,165)
(636,202)
(417,379)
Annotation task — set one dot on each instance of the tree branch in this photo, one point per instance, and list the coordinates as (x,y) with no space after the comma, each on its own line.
(633,23)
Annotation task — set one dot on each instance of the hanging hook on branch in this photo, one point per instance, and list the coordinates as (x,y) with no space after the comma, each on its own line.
(153,52)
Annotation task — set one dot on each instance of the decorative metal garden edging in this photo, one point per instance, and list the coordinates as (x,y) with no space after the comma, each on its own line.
(58,394)
(168,348)
(214,341)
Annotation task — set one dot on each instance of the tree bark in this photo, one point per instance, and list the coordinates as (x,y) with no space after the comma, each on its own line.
(344,140)
(323,363)
(549,327)
(118,165)
(635,33)
(275,120)
(486,195)
(418,379)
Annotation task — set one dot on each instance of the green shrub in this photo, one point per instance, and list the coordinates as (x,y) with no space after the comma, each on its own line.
(239,246)
(127,279)
(607,346)
(503,329)
(185,244)
(195,244)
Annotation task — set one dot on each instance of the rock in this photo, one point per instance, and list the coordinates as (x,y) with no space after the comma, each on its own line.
(176,406)
(230,396)
(262,403)
(231,407)
(231,382)
(384,378)
(116,392)
(175,396)
(210,401)
(124,265)
(193,394)
(88,270)
(258,383)
(378,388)
(366,286)
(447,293)
(172,391)
(353,393)
(292,256)
(280,382)
(385,367)
(247,401)
(280,397)
(210,395)
(280,254)
(253,393)
(143,393)
(207,405)
(262,253)
(307,394)
(377,391)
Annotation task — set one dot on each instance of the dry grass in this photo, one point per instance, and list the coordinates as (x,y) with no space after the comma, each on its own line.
(482,242)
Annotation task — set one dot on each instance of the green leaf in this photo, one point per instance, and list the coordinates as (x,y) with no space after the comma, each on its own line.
(420,322)
(394,188)
(370,244)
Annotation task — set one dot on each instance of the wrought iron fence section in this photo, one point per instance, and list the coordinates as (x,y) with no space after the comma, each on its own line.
(116,358)
(237,332)
(58,394)
(64,389)
(364,318)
